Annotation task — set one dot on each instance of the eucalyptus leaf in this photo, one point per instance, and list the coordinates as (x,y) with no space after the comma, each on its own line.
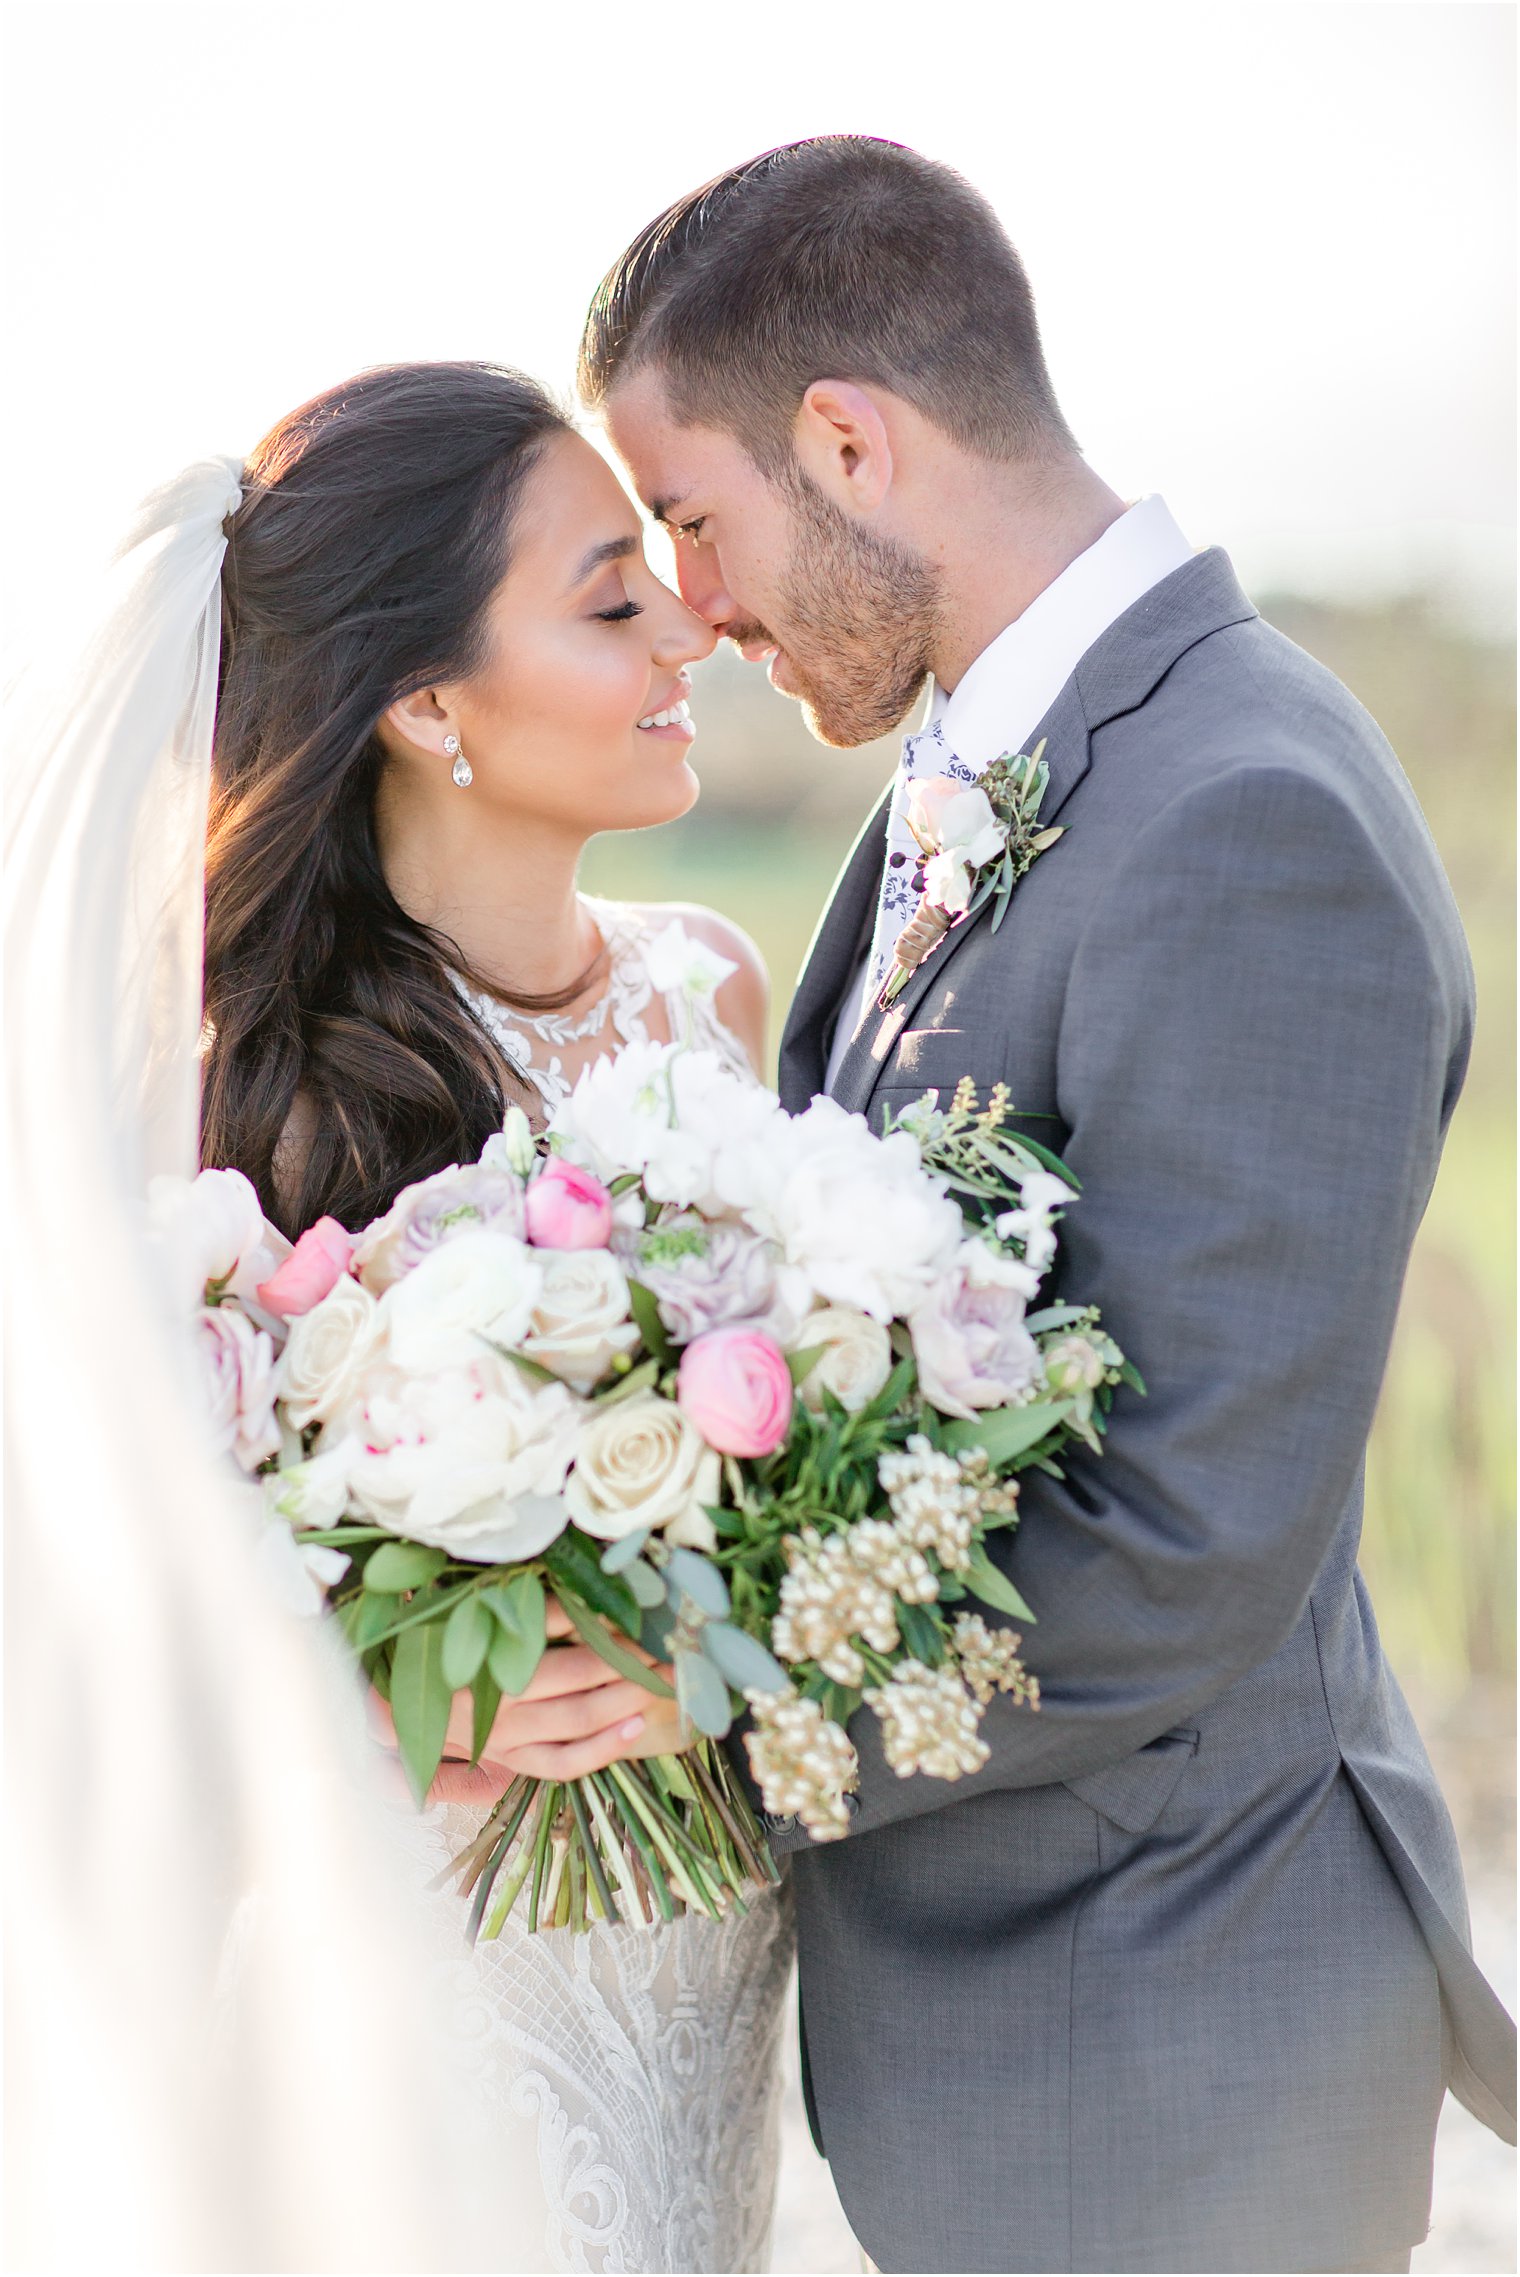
(622,1553)
(466,1636)
(701,1581)
(988,1582)
(395,1566)
(742,1659)
(420,1700)
(703,1694)
(1054,1316)
(645,1583)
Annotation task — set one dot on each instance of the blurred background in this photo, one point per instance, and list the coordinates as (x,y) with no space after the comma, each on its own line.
(1271,245)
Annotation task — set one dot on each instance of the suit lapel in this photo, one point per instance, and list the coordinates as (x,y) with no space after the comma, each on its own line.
(1115,676)
(833,954)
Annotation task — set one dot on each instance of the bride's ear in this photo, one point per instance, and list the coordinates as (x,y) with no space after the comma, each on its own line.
(842,442)
(419,721)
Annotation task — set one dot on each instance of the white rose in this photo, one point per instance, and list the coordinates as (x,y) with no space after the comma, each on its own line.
(947,883)
(856,1359)
(969,1337)
(472,1460)
(240,1383)
(640,1463)
(859,1215)
(968,827)
(581,1320)
(327,1353)
(478,1289)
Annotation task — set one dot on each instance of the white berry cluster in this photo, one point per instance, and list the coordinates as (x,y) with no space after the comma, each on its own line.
(989,1661)
(844,1587)
(929,1722)
(935,1499)
(804,1765)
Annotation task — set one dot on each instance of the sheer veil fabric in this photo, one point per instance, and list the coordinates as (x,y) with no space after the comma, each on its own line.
(183,1756)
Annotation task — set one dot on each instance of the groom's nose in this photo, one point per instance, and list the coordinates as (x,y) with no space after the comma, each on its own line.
(699,573)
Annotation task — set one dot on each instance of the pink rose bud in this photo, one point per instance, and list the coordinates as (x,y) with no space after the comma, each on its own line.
(568,1208)
(735,1386)
(317,1263)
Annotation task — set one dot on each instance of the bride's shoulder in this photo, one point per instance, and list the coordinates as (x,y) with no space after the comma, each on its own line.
(743,1001)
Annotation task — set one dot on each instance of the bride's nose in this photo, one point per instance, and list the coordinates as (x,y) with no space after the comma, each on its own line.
(684,638)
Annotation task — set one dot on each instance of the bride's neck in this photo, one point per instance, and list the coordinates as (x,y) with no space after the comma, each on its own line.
(502,890)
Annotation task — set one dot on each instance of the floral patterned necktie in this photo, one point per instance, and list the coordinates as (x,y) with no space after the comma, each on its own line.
(923,755)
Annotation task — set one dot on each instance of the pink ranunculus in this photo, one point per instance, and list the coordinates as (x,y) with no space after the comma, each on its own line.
(567,1208)
(314,1267)
(735,1386)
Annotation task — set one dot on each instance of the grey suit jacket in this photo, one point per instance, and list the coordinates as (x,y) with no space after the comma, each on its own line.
(1176,1982)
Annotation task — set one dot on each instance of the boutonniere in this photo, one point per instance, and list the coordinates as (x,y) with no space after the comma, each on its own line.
(977,841)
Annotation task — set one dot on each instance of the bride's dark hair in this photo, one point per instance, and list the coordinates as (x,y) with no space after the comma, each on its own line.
(373,532)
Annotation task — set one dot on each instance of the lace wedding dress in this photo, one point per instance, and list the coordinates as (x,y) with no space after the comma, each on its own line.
(645,2057)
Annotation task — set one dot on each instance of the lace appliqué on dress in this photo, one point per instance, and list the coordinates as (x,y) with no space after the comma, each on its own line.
(545,1048)
(646,2059)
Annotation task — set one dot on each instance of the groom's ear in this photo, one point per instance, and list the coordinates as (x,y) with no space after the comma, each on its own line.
(842,443)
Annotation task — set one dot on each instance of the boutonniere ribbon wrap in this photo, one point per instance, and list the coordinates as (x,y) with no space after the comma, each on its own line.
(976,842)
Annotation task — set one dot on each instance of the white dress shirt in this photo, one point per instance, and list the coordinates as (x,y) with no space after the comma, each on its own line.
(1006,692)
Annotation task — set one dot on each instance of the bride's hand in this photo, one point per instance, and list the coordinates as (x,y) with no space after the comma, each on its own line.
(576,1715)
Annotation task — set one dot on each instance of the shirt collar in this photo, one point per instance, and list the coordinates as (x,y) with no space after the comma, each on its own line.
(1010,687)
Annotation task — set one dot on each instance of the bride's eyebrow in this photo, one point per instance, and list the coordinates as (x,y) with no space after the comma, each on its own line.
(612,549)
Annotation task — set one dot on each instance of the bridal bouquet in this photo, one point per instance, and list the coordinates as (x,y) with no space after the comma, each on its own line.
(744,1389)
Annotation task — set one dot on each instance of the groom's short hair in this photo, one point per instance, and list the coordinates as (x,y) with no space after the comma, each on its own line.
(842,257)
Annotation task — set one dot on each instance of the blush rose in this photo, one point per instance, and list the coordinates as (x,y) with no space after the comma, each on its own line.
(734,1385)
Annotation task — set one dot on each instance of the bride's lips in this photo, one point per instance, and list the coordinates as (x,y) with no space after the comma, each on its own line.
(670,721)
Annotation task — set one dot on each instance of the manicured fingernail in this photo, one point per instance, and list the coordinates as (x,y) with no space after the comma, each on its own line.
(632,1728)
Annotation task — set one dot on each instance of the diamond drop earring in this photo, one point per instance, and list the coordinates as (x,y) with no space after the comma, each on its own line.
(463,772)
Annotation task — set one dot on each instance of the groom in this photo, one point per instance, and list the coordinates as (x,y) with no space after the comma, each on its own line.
(1179,1979)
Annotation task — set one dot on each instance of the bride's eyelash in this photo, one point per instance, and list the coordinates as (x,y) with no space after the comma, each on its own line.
(621,614)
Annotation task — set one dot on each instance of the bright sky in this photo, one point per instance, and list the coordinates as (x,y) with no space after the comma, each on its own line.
(1272,244)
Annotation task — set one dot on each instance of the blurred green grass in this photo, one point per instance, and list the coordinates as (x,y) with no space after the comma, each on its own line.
(777,816)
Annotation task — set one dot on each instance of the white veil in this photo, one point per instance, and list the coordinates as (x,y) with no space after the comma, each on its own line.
(181,1753)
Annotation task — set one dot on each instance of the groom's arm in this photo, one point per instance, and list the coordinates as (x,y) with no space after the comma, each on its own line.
(1257,1041)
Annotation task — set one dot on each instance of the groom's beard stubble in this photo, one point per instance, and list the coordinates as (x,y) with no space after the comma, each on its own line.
(861,616)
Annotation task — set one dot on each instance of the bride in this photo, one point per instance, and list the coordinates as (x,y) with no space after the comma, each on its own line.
(445,667)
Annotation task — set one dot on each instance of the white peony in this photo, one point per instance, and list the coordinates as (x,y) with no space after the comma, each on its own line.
(858,1215)
(581,1321)
(472,1459)
(240,1384)
(969,1338)
(677,1117)
(640,1463)
(328,1350)
(477,1289)
(211,1234)
(856,1359)
(473,1198)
